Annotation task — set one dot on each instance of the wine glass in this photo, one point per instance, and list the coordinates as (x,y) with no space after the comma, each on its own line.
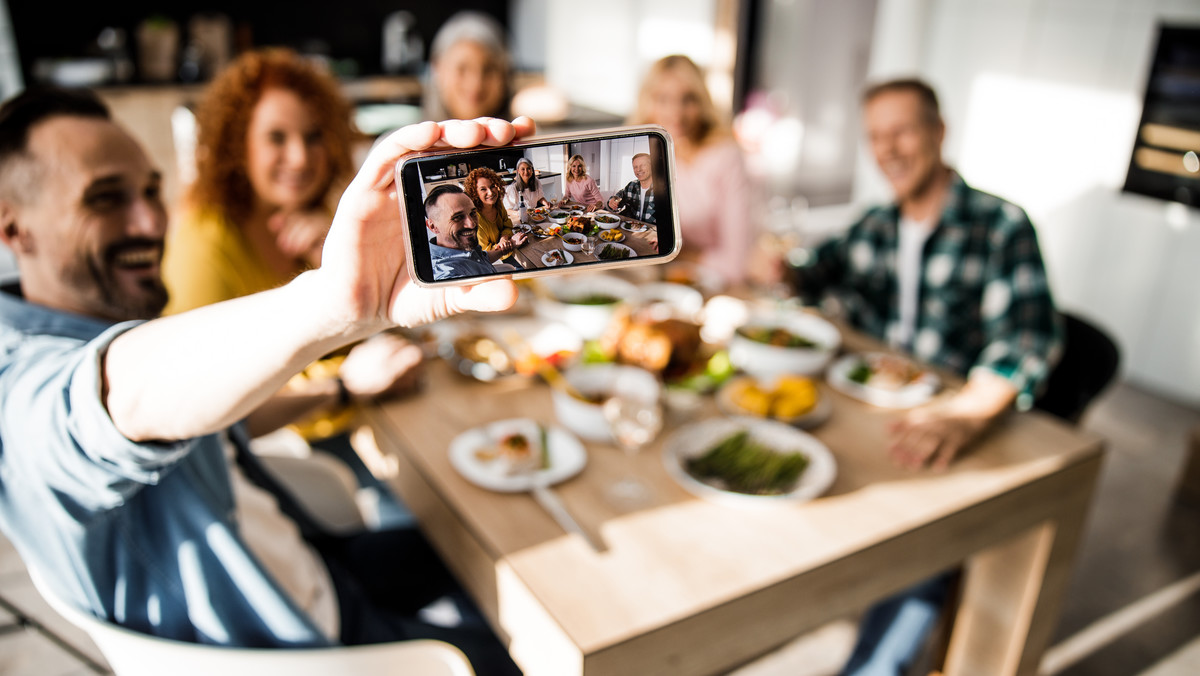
(634,421)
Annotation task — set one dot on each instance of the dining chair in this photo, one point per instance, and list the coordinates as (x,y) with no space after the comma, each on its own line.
(1089,363)
(131,653)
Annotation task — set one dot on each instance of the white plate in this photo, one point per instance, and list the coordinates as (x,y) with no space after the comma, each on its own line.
(629,226)
(914,394)
(819,413)
(567,457)
(566,254)
(697,439)
(601,245)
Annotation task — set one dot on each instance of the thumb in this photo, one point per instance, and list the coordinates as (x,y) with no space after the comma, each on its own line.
(493,296)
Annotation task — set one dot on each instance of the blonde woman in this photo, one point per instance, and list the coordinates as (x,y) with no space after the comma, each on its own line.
(712,188)
(579,186)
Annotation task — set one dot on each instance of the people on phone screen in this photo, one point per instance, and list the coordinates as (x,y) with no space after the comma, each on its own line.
(579,187)
(493,224)
(525,184)
(636,199)
(450,215)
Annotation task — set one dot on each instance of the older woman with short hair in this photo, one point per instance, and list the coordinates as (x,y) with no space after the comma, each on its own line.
(526,185)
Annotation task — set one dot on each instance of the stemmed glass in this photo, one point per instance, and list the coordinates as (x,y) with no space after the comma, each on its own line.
(635,420)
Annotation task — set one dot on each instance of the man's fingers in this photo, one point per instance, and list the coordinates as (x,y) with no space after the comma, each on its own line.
(492,296)
(463,133)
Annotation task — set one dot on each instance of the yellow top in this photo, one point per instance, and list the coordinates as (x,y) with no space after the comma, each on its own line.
(490,232)
(208,260)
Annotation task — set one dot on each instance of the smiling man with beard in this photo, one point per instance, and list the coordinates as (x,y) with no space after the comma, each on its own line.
(450,215)
(126,478)
(108,222)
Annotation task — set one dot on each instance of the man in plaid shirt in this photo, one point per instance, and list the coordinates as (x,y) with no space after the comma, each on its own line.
(628,201)
(954,276)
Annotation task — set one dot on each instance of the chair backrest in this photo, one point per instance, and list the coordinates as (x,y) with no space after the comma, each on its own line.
(132,653)
(1089,363)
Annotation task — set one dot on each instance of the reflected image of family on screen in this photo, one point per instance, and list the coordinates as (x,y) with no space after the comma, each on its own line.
(525,208)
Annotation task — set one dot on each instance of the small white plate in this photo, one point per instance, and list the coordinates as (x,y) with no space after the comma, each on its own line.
(601,246)
(915,393)
(697,439)
(567,457)
(566,254)
(629,226)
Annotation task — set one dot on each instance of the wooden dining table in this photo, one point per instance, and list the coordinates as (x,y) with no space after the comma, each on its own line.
(636,235)
(683,585)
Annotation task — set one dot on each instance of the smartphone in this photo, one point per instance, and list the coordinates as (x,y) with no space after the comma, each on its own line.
(456,211)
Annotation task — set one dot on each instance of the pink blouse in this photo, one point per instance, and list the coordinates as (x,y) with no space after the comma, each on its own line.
(584,191)
(716,204)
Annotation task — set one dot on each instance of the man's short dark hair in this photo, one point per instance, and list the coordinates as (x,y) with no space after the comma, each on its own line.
(25,110)
(436,194)
(924,92)
(19,115)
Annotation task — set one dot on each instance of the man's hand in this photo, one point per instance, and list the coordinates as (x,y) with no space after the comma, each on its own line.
(934,435)
(381,366)
(300,234)
(363,264)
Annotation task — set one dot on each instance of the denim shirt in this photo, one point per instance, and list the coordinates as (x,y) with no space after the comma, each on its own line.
(454,263)
(141,534)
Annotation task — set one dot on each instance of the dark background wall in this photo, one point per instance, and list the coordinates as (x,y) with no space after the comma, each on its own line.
(350,29)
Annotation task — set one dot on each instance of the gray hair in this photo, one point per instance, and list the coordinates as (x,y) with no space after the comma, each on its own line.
(469,26)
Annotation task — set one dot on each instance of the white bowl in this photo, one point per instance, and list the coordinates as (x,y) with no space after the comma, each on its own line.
(671,300)
(606,226)
(585,418)
(766,361)
(588,320)
(566,215)
(572,241)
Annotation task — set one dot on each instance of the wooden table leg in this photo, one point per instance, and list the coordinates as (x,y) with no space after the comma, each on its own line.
(1013,591)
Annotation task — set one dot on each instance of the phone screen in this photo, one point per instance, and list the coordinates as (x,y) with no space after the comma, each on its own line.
(592,200)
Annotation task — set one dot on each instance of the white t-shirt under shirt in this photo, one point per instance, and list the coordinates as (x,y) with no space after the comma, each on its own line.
(275,540)
(912,238)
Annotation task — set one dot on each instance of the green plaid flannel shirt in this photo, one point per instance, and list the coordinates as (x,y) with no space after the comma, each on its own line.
(631,195)
(984,300)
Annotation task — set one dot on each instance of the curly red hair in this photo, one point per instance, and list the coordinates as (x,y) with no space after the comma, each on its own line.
(469,185)
(223,117)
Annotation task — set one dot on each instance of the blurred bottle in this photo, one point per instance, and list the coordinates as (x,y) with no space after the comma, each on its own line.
(522,210)
(158,49)
(402,45)
(210,43)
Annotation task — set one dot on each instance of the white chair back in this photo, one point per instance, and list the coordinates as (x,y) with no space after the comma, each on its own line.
(132,653)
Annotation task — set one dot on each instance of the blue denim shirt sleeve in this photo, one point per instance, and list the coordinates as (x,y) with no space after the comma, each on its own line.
(53,389)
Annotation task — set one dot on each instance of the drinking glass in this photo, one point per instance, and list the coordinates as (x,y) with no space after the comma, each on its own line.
(588,245)
(635,421)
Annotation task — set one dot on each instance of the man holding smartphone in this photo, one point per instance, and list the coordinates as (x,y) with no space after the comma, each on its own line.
(450,215)
(116,482)
(636,199)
